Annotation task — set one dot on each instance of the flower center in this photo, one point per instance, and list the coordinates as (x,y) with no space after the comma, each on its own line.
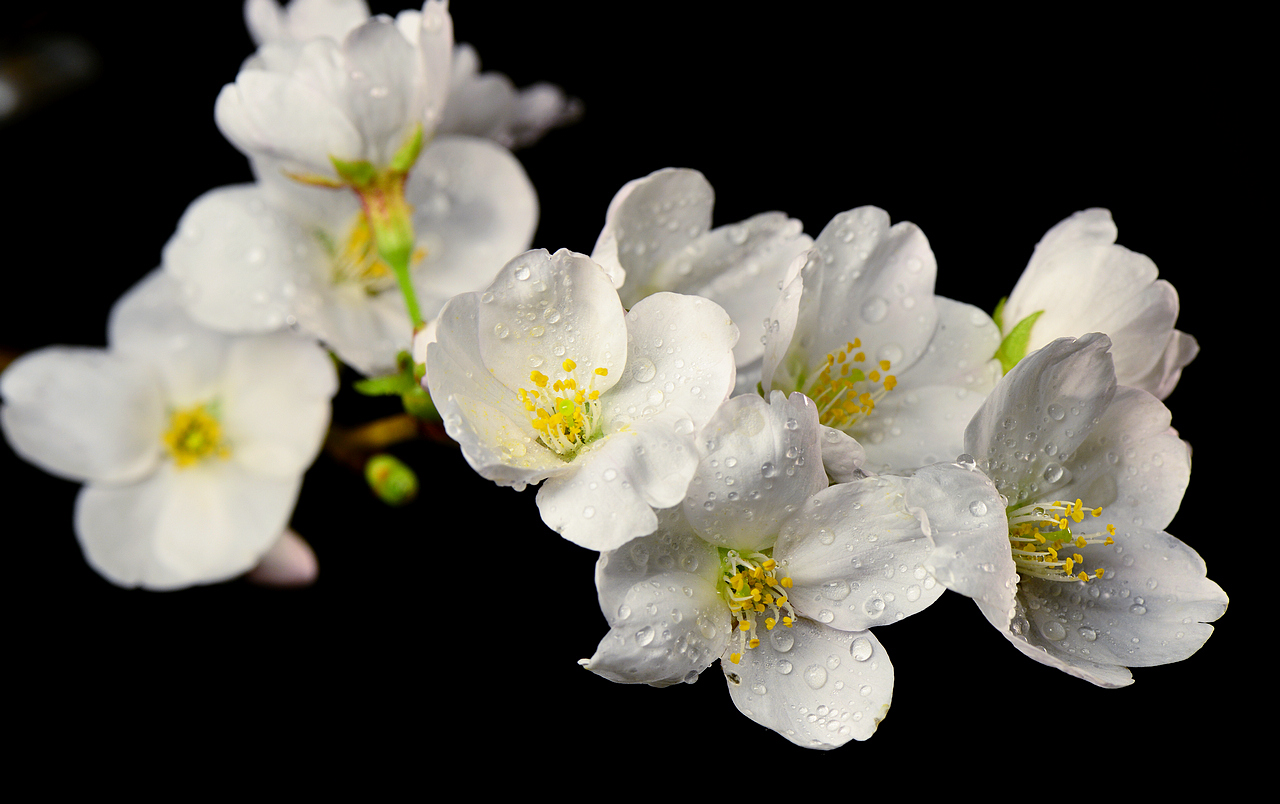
(566,413)
(1040,535)
(357,261)
(756,595)
(193,435)
(846,387)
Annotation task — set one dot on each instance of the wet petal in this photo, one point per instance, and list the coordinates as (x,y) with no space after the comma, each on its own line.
(814,685)
(856,556)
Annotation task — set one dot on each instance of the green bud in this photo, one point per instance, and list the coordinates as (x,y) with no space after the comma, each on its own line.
(393,481)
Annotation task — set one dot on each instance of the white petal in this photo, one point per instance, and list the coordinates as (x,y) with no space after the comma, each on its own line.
(84,414)
(1084,282)
(913,428)
(1042,408)
(240,261)
(289,564)
(1152,606)
(873,282)
(576,315)
(667,623)
(964,517)
(760,461)
(816,686)
(1132,464)
(474,211)
(282,117)
(180,527)
(303,19)
(639,240)
(148,324)
(385,94)
(275,402)
(433,36)
(366,332)
(856,556)
(842,456)
(741,267)
(607,495)
(679,354)
(775,369)
(478,411)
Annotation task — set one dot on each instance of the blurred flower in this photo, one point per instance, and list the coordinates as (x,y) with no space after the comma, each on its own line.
(658,233)
(480,104)
(191,444)
(1083,282)
(1072,564)
(859,331)
(545,377)
(250,260)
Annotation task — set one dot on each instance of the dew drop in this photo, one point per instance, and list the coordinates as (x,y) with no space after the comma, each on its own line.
(644,636)
(815,675)
(861,649)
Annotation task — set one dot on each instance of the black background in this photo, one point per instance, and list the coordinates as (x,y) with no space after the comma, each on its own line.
(452,627)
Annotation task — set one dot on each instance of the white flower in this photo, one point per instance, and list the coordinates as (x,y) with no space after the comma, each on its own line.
(859,330)
(253,260)
(191,444)
(779,576)
(1084,282)
(296,105)
(545,377)
(658,234)
(1072,564)
(480,104)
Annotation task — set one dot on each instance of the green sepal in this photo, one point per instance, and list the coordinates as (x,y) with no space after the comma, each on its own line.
(386,385)
(998,315)
(407,154)
(402,382)
(390,479)
(417,402)
(1014,346)
(358,173)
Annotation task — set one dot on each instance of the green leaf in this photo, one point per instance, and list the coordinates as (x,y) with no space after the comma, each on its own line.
(408,152)
(1014,346)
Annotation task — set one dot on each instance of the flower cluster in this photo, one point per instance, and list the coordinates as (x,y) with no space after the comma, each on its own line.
(775,442)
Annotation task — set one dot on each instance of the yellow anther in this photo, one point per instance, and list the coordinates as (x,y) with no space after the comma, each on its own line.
(194,434)
(856,343)
(1083,575)
(874,376)
(1079,559)
(603,372)
(786,583)
(744,626)
(1109,540)
(1112,530)
(538,378)
(753,643)
(884,365)
(860,356)
(568,365)
(1097,573)
(769,564)
(769,623)
(1097,511)
(1068,566)
(735,657)
(787,622)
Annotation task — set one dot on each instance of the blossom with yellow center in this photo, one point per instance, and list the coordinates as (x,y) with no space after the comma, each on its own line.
(858,329)
(1061,542)
(191,444)
(774,572)
(544,377)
